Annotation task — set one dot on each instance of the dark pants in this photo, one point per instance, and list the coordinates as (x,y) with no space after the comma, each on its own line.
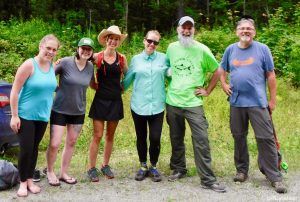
(30,136)
(197,121)
(263,128)
(155,123)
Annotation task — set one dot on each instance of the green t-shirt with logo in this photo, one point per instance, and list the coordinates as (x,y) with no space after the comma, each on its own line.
(189,67)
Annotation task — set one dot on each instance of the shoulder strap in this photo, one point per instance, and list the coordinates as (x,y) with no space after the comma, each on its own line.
(100,59)
(121,61)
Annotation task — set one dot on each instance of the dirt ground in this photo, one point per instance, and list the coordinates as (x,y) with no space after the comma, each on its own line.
(256,188)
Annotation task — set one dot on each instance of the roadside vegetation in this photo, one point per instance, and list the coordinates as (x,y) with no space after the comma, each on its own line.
(19,40)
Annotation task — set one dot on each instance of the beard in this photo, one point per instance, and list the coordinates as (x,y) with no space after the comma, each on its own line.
(245,38)
(186,41)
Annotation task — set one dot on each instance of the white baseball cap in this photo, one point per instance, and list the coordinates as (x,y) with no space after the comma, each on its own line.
(185,19)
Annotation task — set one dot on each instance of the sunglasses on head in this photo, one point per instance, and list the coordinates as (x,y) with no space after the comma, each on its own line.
(150,41)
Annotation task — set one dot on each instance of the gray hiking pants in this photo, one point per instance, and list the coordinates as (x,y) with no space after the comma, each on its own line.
(263,128)
(196,119)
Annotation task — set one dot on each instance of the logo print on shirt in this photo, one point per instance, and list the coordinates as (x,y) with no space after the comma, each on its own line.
(237,62)
(183,67)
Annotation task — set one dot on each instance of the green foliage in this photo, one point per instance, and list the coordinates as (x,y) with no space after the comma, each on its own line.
(16,48)
(282,37)
(213,38)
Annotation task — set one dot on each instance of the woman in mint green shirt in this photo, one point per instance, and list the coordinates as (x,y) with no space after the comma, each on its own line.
(147,71)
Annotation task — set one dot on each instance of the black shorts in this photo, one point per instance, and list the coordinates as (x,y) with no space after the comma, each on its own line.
(64,119)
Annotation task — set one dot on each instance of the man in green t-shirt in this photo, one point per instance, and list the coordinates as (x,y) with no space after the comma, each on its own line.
(190,61)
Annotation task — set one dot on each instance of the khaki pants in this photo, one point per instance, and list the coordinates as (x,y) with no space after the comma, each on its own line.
(196,119)
(263,128)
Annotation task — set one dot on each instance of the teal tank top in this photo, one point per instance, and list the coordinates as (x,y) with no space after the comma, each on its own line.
(36,96)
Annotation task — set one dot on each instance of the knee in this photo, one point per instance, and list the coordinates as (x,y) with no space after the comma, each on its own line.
(109,137)
(155,139)
(54,146)
(71,143)
(96,140)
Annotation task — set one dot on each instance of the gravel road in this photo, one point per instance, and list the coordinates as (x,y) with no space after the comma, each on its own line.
(256,188)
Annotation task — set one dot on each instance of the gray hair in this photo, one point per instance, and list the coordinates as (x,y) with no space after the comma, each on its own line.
(251,21)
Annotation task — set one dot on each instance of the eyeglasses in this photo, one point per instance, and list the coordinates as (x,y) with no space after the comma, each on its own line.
(150,41)
(245,28)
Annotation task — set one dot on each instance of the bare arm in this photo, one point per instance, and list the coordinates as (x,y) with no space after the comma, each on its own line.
(93,84)
(225,85)
(271,77)
(95,58)
(125,68)
(212,84)
(23,73)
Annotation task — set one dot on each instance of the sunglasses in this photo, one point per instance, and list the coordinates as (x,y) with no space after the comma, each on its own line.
(150,41)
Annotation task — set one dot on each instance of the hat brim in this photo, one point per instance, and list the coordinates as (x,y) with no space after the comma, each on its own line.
(104,33)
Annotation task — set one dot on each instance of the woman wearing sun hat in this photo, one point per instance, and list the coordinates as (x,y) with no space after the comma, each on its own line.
(68,111)
(107,106)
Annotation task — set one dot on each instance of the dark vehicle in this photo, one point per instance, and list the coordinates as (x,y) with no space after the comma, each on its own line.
(7,137)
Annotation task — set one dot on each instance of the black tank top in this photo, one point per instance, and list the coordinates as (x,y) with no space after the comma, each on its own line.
(109,75)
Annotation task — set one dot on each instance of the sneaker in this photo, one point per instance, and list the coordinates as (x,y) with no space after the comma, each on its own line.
(279,187)
(176,175)
(154,174)
(215,187)
(44,172)
(240,177)
(93,174)
(141,174)
(106,170)
(36,176)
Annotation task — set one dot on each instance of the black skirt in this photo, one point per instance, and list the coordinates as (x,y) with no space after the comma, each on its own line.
(106,110)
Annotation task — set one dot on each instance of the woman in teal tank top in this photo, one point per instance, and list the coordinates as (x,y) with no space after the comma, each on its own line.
(31,101)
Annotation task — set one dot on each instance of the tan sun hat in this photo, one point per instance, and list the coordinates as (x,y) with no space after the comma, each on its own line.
(111,30)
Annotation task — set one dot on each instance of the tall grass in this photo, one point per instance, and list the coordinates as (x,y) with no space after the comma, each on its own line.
(124,158)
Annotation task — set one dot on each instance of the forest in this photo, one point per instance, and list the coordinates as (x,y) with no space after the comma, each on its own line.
(277,25)
(139,15)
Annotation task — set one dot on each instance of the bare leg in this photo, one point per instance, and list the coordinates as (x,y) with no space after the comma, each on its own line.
(109,141)
(73,132)
(94,146)
(56,133)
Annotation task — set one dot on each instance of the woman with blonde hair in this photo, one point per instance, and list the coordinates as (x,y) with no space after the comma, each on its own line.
(147,71)
(31,101)
(107,105)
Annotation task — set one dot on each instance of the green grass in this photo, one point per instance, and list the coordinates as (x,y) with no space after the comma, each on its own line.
(124,158)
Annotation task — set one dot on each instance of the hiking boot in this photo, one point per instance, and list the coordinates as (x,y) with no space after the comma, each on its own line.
(240,177)
(141,174)
(215,187)
(93,174)
(176,175)
(36,175)
(106,170)
(279,187)
(154,174)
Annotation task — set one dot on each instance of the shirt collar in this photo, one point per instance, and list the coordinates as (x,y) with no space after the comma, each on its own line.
(149,57)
